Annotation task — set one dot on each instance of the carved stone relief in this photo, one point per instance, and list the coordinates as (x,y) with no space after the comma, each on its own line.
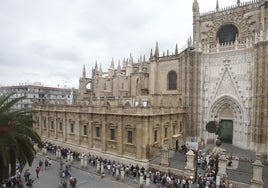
(226,85)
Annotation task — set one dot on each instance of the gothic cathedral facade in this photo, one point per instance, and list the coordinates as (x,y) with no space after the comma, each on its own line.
(135,108)
(233,72)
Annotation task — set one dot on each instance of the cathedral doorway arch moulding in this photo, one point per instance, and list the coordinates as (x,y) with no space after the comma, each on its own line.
(228,111)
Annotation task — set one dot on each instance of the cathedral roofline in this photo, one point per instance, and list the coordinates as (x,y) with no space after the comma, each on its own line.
(246,5)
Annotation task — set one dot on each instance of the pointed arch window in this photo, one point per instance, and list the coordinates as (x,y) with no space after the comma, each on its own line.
(172,80)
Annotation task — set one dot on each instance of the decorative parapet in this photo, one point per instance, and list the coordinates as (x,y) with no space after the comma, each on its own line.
(112,110)
(249,5)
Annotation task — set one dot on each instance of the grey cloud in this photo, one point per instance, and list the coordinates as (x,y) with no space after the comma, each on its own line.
(51,53)
(66,56)
(49,40)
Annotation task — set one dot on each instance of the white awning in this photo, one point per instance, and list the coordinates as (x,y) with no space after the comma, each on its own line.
(176,135)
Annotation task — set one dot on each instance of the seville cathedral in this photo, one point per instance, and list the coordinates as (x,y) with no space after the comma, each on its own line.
(135,108)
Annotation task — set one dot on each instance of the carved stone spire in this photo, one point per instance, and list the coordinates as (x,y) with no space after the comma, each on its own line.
(156,51)
(151,54)
(238,2)
(124,64)
(96,66)
(118,67)
(217,5)
(112,64)
(130,59)
(176,49)
(140,66)
(195,7)
(100,71)
(140,59)
(84,71)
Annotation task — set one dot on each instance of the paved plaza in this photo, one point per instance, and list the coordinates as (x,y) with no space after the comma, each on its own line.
(86,178)
(241,170)
(49,178)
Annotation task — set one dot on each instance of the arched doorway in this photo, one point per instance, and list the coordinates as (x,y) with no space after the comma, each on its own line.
(228,113)
(226,131)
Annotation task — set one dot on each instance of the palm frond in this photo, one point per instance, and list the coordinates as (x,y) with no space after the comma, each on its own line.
(16,135)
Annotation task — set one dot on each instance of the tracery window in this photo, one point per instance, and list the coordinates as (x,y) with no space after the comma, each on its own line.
(227,34)
(172,80)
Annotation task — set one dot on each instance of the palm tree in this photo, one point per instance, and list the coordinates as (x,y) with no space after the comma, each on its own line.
(17,137)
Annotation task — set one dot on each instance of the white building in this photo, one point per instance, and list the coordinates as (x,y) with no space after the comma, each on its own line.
(38,93)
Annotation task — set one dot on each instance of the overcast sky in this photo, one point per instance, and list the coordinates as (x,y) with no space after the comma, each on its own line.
(49,41)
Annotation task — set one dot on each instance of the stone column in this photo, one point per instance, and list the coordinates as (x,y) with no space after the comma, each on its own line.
(57,153)
(116,173)
(44,151)
(190,164)
(148,179)
(256,181)
(82,162)
(36,147)
(164,156)
(122,174)
(141,181)
(103,136)
(222,166)
(85,161)
(98,166)
(68,156)
(71,158)
(102,168)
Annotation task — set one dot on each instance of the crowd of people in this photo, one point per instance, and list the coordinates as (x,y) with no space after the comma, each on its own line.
(14,180)
(131,171)
(207,165)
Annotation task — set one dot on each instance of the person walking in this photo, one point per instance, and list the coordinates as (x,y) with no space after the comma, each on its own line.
(27,175)
(61,164)
(46,163)
(73,182)
(64,184)
(30,183)
(40,164)
(37,170)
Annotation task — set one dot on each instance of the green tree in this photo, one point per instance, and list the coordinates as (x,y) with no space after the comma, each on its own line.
(17,137)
